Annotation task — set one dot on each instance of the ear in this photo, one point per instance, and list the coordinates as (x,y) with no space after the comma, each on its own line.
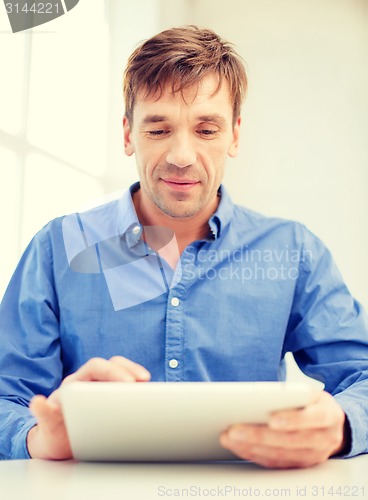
(128,144)
(234,146)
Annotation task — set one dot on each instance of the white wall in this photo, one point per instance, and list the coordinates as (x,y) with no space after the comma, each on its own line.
(53,138)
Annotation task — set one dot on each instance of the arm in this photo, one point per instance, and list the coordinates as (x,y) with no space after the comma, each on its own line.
(29,346)
(328,335)
(31,360)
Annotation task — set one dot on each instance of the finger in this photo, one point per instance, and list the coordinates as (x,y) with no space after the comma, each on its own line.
(321,414)
(41,407)
(276,456)
(54,398)
(99,369)
(250,436)
(279,458)
(46,412)
(135,369)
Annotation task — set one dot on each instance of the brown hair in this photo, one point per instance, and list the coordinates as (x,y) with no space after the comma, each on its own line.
(182,57)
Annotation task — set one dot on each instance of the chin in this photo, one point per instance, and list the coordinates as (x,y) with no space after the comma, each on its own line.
(180,213)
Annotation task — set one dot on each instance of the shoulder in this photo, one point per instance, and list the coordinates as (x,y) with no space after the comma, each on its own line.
(58,232)
(275,233)
(256,222)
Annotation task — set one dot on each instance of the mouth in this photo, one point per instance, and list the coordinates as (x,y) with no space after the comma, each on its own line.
(180,184)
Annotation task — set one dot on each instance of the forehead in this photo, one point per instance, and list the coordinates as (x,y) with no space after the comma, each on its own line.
(206,96)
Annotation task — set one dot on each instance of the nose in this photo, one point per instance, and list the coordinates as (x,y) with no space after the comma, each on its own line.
(181,151)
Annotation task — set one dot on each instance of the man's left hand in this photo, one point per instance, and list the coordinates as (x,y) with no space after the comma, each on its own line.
(292,438)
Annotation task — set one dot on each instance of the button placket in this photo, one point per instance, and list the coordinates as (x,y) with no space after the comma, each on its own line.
(174,336)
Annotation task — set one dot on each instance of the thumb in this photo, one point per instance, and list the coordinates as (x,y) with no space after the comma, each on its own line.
(47,413)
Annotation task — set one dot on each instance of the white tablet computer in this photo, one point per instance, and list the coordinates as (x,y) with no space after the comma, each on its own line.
(168,421)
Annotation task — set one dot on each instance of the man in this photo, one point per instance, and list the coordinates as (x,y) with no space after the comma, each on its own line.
(173,282)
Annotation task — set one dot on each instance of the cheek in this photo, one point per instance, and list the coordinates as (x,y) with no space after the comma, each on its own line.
(216,156)
(218,162)
(150,154)
(146,165)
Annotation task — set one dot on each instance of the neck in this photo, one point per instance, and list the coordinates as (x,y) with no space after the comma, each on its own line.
(186,229)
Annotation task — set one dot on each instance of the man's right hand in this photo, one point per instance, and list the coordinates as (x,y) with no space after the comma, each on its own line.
(49,439)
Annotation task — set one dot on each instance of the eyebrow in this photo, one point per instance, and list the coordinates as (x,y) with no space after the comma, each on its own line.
(213,118)
(154,119)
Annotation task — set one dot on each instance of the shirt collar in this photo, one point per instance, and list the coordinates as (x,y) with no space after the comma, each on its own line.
(131,228)
(129,225)
(221,218)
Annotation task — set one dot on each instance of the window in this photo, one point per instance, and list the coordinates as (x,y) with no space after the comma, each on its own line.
(53,123)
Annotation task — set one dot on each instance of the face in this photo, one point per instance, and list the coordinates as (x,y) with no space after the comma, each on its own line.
(181,144)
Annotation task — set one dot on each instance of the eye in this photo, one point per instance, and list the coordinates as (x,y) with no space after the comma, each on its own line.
(158,132)
(207,132)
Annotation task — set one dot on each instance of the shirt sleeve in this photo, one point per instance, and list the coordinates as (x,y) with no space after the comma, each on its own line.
(328,336)
(29,345)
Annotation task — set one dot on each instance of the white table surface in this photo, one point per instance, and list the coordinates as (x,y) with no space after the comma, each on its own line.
(38,479)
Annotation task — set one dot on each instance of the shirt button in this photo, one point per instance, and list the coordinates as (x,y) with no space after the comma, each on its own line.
(175,301)
(136,230)
(173,363)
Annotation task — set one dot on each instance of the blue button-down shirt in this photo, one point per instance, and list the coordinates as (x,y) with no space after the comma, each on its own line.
(89,285)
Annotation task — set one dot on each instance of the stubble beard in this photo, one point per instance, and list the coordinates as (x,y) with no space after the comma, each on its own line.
(179,207)
(177,204)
